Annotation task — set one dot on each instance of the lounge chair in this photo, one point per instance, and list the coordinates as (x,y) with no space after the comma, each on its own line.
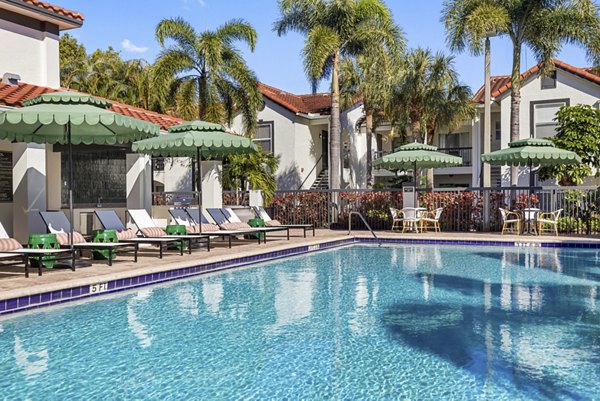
(11,249)
(110,221)
(511,221)
(228,220)
(545,219)
(432,219)
(261,213)
(149,229)
(57,223)
(206,227)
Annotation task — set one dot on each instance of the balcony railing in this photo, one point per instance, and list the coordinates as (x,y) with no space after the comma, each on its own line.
(465,153)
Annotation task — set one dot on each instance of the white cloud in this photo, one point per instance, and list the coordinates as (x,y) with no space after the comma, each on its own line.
(202,3)
(130,47)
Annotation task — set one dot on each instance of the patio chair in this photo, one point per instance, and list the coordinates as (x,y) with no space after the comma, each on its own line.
(206,227)
(228,220)
(411,219)
(110,221)
(397,219)
(149,229)
(12,250)
(511,221)
(548,219)
(261,213)
(57,223)
(432,219)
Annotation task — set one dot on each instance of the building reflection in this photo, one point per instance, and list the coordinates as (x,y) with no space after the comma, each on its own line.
(293,297)
(212,294)
(187,300)
(362,321)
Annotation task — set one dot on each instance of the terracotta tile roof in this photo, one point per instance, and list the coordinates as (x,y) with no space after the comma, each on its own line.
(15,96)
(319,103)
(55,9)
(501,84)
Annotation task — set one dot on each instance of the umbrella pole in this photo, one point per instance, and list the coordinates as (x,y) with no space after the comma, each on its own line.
(199,183)
(70,187)
(416,186)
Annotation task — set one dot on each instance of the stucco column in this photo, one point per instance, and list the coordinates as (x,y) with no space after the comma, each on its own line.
(212,188)
(139,182)
(29,189)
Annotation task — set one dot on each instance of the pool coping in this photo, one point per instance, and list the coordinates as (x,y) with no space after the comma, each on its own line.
(29,298)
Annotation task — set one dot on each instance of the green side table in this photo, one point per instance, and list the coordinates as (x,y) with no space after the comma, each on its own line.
(43,241)
(104,236)
(176,229)
(256,223)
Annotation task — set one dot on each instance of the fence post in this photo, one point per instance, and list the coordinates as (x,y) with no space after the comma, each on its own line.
(486,209)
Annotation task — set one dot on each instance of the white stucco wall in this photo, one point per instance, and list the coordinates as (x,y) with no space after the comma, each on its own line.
(29,53)
(356,177)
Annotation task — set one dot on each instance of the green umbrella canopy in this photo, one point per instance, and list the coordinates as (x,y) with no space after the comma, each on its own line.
(532,151)
(185,140)
(419,154)
(44,118)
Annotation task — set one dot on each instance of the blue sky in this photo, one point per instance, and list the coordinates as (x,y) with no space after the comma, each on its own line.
(128,26)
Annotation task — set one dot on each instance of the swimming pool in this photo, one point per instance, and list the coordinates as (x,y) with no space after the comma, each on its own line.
(360,322)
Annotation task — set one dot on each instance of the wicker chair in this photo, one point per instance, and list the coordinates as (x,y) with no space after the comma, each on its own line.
(511,221)
(548,219)
(396,219)
(432,219)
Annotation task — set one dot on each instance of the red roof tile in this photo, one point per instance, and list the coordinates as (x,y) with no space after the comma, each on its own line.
(319,103)
(55,9)
(15,96)
(502,84)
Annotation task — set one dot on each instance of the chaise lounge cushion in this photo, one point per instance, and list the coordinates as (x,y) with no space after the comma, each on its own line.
(272,223)
(63,238)
(125,234)
(153,232)
(9,244)
(191,229)
(207,228)
(234,226)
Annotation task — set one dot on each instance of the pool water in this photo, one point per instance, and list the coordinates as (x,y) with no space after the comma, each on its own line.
(356,323)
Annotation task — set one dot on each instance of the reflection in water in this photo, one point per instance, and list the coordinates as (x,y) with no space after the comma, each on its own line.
(293,297)
(139,329)
(361,321)
(212,294)
(31,363)
(187,300)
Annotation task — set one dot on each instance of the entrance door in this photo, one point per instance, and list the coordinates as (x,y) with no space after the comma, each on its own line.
(325,149)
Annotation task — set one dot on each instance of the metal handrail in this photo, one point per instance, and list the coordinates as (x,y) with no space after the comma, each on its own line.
(366,224)
(311,170)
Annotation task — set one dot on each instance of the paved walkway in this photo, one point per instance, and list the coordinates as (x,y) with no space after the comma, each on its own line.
(13,283)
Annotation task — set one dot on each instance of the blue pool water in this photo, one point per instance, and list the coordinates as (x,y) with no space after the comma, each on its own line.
(357,323)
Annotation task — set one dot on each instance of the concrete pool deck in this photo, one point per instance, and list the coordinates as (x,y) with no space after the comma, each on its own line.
(13,283)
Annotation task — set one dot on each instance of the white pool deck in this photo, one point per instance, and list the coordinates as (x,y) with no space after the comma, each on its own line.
(14,284)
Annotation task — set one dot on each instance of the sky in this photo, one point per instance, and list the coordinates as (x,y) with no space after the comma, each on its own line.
(128,26)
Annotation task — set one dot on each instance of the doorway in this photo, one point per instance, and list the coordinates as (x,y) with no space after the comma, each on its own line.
(325,149)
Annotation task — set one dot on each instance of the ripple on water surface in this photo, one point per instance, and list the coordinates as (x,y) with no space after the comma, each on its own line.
(407,322)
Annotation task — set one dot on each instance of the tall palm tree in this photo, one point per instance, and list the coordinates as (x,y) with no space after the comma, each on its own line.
(369,78)
(335,29)
(542,26)
(252,171)
(429,96)
(209,61)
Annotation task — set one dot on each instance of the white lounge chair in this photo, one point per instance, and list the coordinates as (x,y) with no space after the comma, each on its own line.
(397,219)
(57,223)
(261,213)
(204,226)
(228,220)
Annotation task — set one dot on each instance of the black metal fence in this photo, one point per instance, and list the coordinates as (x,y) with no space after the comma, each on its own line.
(466,209)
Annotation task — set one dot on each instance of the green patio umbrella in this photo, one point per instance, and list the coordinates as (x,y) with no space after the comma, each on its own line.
(416,155)
(531,152)
(199,139)
(71,118)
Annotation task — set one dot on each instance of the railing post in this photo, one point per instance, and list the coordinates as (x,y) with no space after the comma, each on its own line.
(486,209)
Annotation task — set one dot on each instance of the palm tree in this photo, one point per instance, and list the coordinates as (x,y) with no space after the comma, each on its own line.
(335,29)
(428,96)
(369,78)
(209,63)
(542,26)
(252,171)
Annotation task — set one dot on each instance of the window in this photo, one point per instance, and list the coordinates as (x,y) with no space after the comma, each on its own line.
(98,177)
(542,117)
(498,131)
(264,136)
(549,82)
(6,177)
(457,140)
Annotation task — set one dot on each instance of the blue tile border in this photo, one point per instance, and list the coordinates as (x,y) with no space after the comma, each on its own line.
(35,301)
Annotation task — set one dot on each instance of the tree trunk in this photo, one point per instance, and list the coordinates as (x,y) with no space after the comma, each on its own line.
(369,162)
(202,96)
(415,134)
(515,106)
(335,134)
